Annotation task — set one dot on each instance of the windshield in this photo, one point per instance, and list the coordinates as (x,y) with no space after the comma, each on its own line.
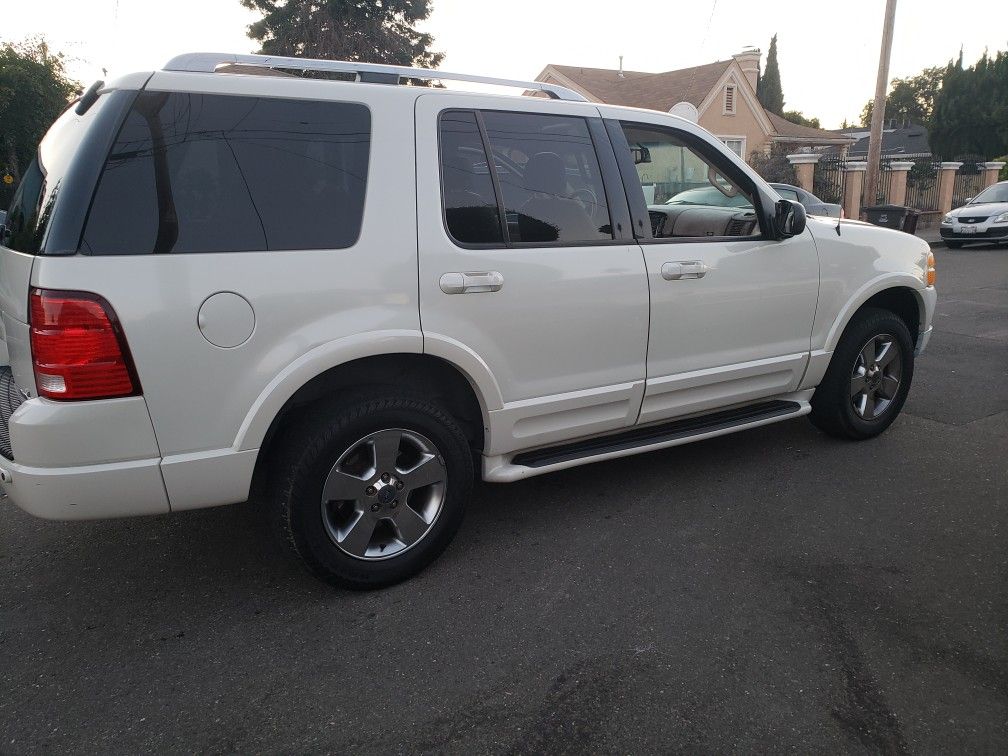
(996,193)
(709,196)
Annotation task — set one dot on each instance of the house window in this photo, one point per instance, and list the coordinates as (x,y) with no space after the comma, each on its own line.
(735,144)
(729,99)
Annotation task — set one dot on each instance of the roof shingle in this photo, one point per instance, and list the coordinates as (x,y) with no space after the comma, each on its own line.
(660,91)
(638,89)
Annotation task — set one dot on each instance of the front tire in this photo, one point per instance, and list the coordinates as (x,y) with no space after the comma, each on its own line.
(369,492)
(868,378)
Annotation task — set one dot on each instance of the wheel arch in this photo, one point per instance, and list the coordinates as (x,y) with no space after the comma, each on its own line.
(422,373)
(898,294)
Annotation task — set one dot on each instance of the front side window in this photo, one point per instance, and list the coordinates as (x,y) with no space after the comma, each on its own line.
(221,173)
(687,195)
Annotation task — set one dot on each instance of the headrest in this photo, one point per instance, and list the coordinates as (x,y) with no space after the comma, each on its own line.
(545,173)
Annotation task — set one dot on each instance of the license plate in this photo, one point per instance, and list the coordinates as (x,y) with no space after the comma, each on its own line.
(967,229)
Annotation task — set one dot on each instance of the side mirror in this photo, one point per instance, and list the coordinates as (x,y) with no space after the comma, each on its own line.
(641,154)
(789,218)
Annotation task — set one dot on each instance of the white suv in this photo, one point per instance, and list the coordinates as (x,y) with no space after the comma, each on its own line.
(215,285)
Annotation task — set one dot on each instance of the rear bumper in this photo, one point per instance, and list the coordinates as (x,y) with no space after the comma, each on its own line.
(88,492)
(83,460)
(98,459)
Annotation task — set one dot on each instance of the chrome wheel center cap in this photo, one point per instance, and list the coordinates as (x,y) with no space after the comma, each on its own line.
(386,493)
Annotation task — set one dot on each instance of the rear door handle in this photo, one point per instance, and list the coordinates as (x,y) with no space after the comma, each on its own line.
(676,271)
(471,283)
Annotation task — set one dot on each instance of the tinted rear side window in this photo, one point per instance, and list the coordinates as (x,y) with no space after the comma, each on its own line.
(222,173)
(549,176)
(469,201)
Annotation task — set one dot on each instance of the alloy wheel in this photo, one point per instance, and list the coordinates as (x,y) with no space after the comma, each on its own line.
(876,377)
(384,494)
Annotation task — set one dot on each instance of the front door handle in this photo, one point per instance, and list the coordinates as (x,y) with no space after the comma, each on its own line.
(471,283)
(676,271)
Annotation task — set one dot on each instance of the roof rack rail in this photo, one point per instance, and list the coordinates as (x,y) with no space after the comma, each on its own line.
(365,72)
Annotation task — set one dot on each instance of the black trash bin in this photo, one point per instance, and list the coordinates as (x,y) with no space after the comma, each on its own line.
(896,217)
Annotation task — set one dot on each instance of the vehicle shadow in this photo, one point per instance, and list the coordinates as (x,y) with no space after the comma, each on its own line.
(232,555)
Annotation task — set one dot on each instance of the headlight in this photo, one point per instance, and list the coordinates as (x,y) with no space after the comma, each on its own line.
(947,219)
(1003,218)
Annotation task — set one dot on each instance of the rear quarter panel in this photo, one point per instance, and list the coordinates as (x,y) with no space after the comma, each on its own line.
(203,397)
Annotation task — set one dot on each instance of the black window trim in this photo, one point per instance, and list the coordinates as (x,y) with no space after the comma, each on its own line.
(607,170)
(81,245)
(635,192)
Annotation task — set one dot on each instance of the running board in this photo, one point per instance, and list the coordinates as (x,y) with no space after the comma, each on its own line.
(549,459)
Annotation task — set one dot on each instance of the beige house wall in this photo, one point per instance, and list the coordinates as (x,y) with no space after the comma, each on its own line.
(743,124)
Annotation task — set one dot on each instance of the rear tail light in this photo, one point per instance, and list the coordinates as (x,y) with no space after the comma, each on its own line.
(78,348)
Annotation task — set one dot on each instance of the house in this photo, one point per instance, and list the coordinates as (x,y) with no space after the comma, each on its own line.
(723,93)
(899,138)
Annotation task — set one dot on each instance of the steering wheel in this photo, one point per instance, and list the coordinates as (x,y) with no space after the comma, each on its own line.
(587,199)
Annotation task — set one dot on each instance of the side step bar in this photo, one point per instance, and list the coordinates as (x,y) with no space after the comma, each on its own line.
(549,459)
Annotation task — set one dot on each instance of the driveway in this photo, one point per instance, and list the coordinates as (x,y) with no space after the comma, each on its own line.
(772,590)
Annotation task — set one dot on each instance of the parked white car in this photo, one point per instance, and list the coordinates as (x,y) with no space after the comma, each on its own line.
(352,298)
(983,219)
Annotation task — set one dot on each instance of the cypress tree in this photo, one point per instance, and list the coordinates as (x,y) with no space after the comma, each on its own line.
(768,88)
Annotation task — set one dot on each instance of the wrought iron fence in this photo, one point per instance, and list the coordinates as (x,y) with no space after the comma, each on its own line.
(884,185)
(923,181)
(828,179)
(969,179)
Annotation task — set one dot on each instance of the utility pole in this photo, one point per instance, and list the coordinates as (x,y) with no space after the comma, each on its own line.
(878,108)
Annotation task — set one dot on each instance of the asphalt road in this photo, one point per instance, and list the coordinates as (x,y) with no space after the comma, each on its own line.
(772,590)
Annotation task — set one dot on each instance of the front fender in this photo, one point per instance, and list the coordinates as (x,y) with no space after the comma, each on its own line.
(869,290)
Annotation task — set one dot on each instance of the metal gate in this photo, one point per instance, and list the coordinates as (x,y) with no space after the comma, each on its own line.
(969,179)
(828,180)
(922,184)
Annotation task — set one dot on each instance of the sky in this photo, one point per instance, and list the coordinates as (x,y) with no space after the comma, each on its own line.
(827,50)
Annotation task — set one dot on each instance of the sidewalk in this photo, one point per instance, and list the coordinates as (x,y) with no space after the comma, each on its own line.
(931,236)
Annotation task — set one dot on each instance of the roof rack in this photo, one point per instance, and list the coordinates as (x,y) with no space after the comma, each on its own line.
(372,73)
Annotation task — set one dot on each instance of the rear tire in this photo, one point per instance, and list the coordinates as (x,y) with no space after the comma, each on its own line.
(369,491)
(868,378)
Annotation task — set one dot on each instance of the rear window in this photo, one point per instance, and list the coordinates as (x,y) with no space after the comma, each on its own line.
(220,173)
(31,208)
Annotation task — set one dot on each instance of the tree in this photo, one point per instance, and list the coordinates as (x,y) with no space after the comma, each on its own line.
(34,91)
(971,109)
(768,87)
(773,164)
(360,30)
(796,116)
(911,99)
